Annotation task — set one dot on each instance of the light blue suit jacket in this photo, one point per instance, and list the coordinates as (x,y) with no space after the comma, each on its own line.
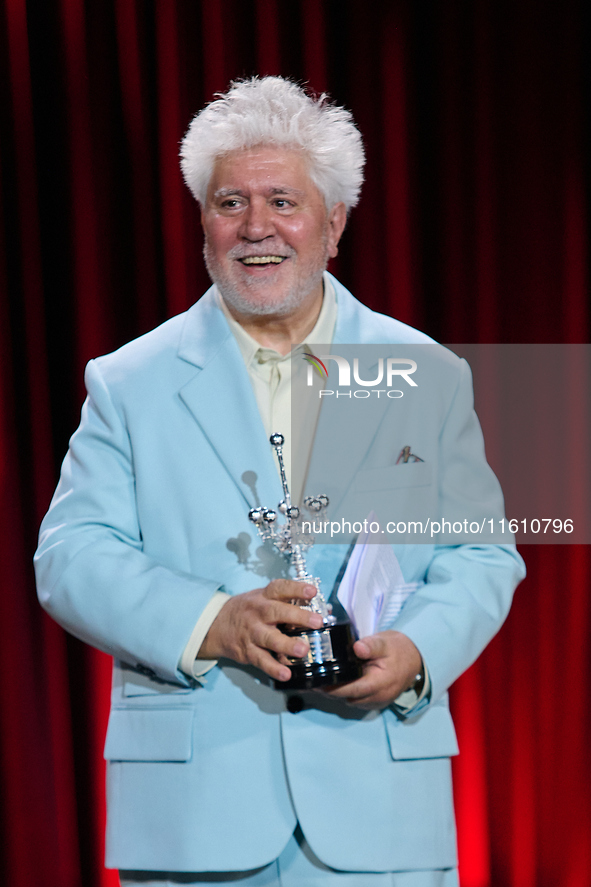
(143,528)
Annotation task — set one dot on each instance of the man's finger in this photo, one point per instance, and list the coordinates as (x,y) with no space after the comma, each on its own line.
(363,686)
(291,614)
(371,647)
(274,640)
(267,663)
(289,589)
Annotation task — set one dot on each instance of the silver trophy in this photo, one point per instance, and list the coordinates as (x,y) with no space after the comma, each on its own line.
(330,659)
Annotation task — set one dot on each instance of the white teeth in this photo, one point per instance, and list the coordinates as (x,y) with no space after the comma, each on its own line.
(262,260)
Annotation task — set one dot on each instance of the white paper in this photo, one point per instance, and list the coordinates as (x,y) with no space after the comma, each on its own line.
(373,589)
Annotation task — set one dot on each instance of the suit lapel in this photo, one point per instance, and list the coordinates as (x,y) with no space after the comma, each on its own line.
(341,442)
(222,402)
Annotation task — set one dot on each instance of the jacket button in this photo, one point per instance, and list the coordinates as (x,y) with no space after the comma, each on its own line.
(295,704)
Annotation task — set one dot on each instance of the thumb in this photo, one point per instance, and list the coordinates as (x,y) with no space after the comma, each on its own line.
(370,647)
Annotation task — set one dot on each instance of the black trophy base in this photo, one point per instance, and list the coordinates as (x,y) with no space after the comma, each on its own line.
(331,659)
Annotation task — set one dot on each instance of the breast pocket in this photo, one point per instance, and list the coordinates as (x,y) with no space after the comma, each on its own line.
(393,477)
(397,495)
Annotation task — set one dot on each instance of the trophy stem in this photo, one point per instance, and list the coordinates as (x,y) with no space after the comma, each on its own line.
(299,564)
(284,484)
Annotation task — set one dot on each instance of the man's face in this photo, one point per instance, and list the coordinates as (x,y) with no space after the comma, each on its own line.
(268,234)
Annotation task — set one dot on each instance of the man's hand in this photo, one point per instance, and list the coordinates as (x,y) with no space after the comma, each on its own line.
(245,629)
(392,663)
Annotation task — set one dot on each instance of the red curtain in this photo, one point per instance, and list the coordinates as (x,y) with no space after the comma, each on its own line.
(472,226)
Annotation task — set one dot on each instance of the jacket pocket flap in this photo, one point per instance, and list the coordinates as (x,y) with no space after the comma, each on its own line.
(432,735)
(410,474)
(149,734)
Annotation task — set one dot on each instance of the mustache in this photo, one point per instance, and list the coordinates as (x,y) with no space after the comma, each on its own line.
(268,249)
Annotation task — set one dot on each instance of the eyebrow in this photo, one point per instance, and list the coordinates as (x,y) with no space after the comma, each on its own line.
(238,192)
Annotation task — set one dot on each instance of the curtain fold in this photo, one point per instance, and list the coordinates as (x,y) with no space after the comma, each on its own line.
(472,225)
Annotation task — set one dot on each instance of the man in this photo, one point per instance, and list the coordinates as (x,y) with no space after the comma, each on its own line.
(145,551)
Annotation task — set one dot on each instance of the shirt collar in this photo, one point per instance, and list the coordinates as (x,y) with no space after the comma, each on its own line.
(321,334)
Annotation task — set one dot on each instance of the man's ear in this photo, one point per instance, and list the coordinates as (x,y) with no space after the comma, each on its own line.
(337,219)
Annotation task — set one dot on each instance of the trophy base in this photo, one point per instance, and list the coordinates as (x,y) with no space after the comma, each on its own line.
(331,659)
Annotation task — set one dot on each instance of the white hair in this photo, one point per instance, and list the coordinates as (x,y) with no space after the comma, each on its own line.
(276,111)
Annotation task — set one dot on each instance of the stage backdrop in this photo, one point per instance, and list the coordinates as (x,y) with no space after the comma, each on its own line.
(471,226)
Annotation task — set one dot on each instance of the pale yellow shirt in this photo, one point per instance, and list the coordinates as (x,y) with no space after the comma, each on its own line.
(271,376)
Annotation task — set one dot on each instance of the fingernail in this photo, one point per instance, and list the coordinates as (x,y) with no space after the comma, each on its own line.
(285,674)
(316,620)
(310,591)
(300,649)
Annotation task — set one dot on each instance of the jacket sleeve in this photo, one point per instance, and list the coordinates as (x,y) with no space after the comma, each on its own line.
(92,575)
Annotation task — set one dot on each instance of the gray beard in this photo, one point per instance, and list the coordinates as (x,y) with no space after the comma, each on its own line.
(243,305)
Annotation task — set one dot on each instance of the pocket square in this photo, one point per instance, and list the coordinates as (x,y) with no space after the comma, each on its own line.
(406,455)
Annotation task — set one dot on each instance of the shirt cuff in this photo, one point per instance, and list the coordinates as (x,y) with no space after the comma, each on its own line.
(410,698)
(189,663)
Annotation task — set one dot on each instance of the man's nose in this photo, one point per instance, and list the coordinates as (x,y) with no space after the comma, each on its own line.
(257,221)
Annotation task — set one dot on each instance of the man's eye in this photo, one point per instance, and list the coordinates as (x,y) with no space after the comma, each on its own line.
(231,203)
(282,203)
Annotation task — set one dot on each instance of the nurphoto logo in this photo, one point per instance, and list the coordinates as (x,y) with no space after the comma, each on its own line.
(393,369)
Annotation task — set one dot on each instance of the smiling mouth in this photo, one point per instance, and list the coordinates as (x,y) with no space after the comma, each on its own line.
(262,260)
